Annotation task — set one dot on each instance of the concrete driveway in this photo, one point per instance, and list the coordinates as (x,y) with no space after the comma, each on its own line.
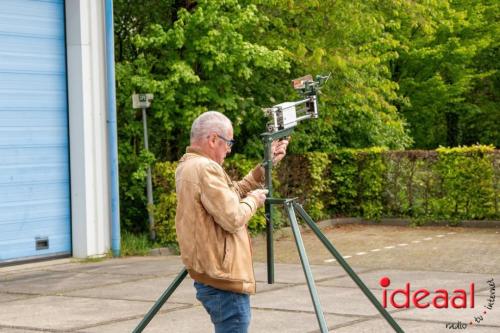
(112,295)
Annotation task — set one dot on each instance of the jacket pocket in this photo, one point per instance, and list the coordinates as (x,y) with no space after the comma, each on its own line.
(227,254)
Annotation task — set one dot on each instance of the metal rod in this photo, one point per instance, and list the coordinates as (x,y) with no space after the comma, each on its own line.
(307,116)
(159,303)
(268,138)
(111,120)
(306,267)
(347,268)
(268,166)
(292,104)
(149,182)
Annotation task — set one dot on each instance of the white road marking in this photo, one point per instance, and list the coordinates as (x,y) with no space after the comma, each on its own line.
(394,246)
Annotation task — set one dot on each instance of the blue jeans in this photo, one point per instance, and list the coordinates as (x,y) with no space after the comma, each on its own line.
(229,311)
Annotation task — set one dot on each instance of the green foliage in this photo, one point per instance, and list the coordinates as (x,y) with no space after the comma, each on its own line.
(319,184)
(450,184)
(467,177)
(348,39)
(358,182)
(238,165)
(194,57)
(344,182)
(371,168)
(166,203)
(421,73)
(446,72)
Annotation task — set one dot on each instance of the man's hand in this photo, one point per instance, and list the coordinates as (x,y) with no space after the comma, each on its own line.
(259,196)
(279,150)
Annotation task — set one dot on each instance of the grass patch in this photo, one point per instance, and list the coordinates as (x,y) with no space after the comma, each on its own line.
(135,245)
(90,260)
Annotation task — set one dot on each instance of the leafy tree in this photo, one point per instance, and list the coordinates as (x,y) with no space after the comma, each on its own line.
(440,43)
(346,38)
(203,60)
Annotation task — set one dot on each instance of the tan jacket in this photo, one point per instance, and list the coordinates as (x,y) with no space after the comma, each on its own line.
(212,213)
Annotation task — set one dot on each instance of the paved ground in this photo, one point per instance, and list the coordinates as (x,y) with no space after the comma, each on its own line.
(113,295)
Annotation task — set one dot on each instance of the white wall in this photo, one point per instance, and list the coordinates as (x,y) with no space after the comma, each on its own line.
(90,202)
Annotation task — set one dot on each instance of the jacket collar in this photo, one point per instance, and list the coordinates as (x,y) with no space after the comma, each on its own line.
(190,151)
(193,150)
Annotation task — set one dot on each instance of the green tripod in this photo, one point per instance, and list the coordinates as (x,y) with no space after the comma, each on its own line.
(292,208)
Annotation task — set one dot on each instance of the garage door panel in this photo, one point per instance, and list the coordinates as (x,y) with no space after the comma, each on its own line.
(26,82)
(44,99)
(33,55)
(32,228)
(27,248)
(29,118)
(31,46)
(34,153)
(32,174)
(31,224)
(32,191)
(13,156)
(22,25)
(27,136)
(47,9)
(50,210)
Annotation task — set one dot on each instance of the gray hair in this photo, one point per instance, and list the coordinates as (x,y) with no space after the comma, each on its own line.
(210,121)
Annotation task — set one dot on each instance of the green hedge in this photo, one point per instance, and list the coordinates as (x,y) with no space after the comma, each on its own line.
(449,184)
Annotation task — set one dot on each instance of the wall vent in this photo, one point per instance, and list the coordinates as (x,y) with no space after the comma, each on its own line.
(42,243)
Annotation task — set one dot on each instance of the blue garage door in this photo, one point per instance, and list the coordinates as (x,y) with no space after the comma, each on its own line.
(34,161)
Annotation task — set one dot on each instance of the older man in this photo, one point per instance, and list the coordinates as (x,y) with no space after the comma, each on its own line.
(212,213)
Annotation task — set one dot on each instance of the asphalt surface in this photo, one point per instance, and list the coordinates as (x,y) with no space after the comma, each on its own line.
(449,249)
(112,295)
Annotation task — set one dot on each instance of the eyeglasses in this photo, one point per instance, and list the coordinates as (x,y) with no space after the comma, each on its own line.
(229,143)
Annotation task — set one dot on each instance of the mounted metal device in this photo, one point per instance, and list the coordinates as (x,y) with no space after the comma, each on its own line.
(289,114)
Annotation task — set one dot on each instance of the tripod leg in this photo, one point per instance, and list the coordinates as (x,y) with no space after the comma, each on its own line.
(306,267)
(159,303)
(347,268)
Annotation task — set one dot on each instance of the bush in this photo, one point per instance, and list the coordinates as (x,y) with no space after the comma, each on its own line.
(165,204)
(447,184)
(467,180)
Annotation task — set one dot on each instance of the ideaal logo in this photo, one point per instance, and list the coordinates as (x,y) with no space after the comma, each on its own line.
(422,298)
(440,299)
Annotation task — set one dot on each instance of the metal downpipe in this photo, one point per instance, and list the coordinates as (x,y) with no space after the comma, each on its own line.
(112,130)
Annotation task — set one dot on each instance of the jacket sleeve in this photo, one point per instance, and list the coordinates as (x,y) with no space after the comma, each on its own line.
(253,180)
(221,202)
